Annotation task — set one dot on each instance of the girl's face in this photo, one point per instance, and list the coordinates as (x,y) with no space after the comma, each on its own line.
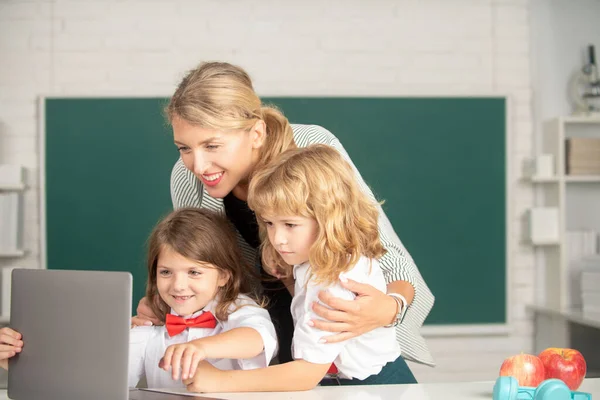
(223,161)
(186,285)
(292,236)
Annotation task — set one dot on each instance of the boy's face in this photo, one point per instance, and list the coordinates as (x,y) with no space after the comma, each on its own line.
(221,160)
(184,284)
(292,236)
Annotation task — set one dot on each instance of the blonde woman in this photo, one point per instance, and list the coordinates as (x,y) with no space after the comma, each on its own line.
(224,134)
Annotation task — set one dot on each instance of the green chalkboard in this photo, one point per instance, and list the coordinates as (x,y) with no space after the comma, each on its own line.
(438,163)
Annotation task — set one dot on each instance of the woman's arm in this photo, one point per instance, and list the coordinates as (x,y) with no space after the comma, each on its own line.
(291,376)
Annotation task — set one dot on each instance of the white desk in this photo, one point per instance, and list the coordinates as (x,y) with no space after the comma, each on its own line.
(429,391)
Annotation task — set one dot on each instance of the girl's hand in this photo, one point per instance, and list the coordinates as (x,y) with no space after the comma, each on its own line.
(145,315)
(370,309)
(185,356)
(206,379)
(10,344)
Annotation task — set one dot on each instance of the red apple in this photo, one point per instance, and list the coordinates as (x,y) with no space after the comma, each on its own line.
(527,369)
(568,365)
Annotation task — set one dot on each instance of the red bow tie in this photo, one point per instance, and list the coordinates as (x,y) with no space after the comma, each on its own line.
(175,324)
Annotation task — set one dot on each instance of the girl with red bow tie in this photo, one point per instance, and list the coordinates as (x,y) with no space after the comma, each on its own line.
(199,281)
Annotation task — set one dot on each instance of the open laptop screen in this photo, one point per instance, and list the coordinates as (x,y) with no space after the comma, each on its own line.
(75,327)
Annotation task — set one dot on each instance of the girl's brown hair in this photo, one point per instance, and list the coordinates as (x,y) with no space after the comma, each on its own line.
(218,95)
(317,182)
(206,237)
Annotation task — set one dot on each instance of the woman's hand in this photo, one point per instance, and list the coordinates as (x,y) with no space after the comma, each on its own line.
(10,344)
(185,356)
(370,309)
(145,315)
(206,379)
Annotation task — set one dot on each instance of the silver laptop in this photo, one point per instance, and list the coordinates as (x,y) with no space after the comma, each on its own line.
(75,327)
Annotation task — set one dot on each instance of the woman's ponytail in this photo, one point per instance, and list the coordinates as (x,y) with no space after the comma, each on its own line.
(280,136)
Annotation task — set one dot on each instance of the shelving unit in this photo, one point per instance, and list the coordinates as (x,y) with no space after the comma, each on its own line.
(557,322)
(577,199)
(9,254)
(12,188)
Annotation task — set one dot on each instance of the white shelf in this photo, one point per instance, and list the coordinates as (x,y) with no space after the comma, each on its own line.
(580,119)
(537,179)
(574,196)
(12,254)
(582,178)
(4,187)
(567,178)
(544,243)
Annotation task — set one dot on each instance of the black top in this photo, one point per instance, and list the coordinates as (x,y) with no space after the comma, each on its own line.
(244,220)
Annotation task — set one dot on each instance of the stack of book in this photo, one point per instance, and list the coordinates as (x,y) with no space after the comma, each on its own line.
(581,245)
(590,287)
(582,156)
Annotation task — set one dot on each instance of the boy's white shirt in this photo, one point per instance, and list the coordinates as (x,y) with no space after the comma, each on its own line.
(147,344)
(359,357)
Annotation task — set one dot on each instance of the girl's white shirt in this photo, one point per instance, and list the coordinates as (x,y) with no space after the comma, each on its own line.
(147,344)
(359,357)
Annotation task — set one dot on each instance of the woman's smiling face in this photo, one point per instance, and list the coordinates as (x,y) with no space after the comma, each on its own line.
(221,160)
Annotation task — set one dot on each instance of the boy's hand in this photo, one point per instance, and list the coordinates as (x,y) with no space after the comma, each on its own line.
(10,344)
(145,315)
(185,356)
(209,379)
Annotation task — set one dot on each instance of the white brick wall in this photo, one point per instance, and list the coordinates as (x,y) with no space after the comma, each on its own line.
(350,47)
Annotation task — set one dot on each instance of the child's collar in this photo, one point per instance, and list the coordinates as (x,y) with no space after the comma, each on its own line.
(296,266)
(209,307)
